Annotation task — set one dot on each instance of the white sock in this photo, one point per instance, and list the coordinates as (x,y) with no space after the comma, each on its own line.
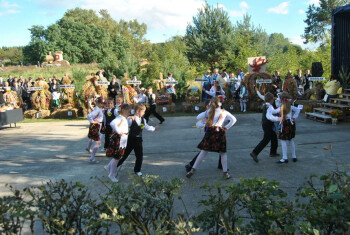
(200,158)
(224,161)
(94,151)
(292,148)
(89,144)
(284,149)
(113,167)
(102,137)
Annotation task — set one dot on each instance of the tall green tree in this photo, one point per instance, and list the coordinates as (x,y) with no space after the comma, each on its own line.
(319,19)
(210,38)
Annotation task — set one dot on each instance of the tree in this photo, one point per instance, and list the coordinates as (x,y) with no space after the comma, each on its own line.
(319,19)
(210,38)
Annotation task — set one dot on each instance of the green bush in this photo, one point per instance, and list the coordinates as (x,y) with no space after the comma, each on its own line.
(145,206)
(326,209)
(14,212)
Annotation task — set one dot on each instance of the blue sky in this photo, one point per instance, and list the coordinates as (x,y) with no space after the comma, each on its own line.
(164,18)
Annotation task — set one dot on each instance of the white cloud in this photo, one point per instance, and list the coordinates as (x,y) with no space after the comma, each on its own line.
(222,6)
(161,15)
(280,9)
(301,11)
(315,2)
(243,10)
(8,12)
(297,40)
(6,4)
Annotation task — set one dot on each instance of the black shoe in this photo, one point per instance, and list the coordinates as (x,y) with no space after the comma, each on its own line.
(188,167)
(282,161)
(161,122)
(295,159)
(275,155)
(254,156)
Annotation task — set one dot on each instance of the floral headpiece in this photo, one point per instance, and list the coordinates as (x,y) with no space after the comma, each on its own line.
(123,106)
(100,100)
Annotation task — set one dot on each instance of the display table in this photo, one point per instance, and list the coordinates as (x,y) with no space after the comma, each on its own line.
(11,116)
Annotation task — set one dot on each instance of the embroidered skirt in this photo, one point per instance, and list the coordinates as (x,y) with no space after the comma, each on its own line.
(288,130)
(214,140)
(94,131)
(116,148)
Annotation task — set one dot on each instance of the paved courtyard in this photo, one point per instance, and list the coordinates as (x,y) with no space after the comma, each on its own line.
(34,153)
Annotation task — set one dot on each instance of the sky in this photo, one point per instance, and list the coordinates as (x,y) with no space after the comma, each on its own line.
(164,18)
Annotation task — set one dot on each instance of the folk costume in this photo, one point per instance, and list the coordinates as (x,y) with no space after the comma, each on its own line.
(135,141)
(206,87)
(117,145)
(95,118)
(213,92)
(267,122)
(287,133)
(152,109)
(108,117)
(243,98)
(214,139)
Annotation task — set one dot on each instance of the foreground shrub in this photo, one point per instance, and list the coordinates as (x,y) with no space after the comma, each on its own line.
(66,208)
(14,212)
(325,207)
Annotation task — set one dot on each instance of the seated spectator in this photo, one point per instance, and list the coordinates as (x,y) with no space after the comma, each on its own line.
(331,88)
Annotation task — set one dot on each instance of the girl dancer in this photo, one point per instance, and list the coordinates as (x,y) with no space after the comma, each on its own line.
(137,123)
(119,140)
(214,139)
(110,113)
(287,132)
(95,118)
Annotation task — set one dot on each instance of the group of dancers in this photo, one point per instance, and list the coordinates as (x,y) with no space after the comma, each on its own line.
(123,132)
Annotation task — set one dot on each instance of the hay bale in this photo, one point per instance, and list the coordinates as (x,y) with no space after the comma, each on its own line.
(64,114)
(34,114)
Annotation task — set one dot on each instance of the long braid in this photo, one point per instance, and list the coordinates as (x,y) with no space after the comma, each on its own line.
(214,104)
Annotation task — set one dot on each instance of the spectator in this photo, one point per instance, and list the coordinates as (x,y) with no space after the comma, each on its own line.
(206,85)
(113,87)
(331,88)
(308,84)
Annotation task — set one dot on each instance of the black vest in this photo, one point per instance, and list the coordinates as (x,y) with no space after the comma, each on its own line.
(150,99)
(135,130)
(264,120)
(109,119)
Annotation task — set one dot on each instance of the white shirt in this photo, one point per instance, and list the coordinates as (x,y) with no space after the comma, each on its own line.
(212,92)
(138,121)
(293,114)
(153,97)
(120,125)
(95,115)
(216,121)
(270,113)
(141,98)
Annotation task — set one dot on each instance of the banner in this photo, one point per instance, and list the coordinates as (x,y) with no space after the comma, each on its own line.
(35,88)
(313,79)
(133,82)
(168,83)
(261,80)
(102,83)
(201,80)
(66,86)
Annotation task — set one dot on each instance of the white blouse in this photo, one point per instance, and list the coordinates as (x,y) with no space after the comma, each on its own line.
(216,122)
(120,125)
(95,115)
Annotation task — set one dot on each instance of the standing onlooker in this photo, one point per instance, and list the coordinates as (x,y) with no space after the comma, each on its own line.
(54,89)
(222,80)
(240,76)
(277,83)
(141,98)
(300,79)
(113,87)
(17,88)
(171,88)
(206,85)
(215,75)
(308,84)
(243,95)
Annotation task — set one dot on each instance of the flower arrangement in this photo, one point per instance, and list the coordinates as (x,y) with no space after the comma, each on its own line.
(336,113)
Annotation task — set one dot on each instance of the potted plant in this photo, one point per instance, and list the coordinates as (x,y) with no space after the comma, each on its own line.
(335,114)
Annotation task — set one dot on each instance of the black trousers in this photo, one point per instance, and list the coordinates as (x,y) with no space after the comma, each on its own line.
(108,133)
(269,135)
(152,110)
(134,143)
(195,158)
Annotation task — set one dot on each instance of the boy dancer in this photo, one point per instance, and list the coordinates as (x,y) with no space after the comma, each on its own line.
(136,124)
(152,107)
(267,125)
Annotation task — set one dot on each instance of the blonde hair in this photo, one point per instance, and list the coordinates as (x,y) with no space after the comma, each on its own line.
(140,107)
(215,103)
(286,103)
